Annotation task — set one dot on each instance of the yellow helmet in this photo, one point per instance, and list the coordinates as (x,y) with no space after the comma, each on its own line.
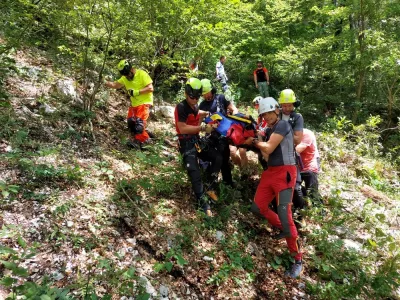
(207,86)
(124,67)
(287,96)
(193,88)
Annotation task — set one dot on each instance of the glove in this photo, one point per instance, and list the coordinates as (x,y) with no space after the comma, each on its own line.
(133,93)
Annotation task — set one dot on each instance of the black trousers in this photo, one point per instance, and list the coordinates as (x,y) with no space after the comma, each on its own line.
(310,188)
(222,145)
(191,157)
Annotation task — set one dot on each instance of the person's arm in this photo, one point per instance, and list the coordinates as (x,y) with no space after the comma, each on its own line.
(266,147)
(255,79)
(233,108)
(203,114)
(147,89)
(266,75)
(188,129)
(113,84)
(297,136)
(300,148)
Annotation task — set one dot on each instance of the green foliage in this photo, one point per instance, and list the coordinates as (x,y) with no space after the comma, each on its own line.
(8,190)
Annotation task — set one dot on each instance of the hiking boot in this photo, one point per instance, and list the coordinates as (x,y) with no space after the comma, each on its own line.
(295,269)
(212,195)
(133,144)
(207,210)
(281,235)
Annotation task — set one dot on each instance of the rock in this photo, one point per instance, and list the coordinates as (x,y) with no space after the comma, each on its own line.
(147,284)
(207,258)
(57,276)
(131,241)
(46,109)
(164,111)
(163,292)
(70,223)
(219,235)
(302,286)
(27,111)
(64,88)
(350,244)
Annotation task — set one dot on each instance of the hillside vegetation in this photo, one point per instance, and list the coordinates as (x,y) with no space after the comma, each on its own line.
(83,217)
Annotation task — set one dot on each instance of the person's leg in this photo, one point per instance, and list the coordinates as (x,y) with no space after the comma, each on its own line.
(244,161)
(215,157)
(284,182)
(263,197)
(142,112)
(225,168)
(235,158)
(298,199)
(260,89)
(190,161)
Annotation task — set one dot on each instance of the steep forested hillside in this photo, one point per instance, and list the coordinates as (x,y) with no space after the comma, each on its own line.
(84,217)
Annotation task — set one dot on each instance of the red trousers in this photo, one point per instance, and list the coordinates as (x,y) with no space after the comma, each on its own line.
(278,182)
(143,112)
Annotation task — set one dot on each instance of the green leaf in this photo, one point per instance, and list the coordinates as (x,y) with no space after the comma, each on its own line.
(275,265)
(8,264)
(380,217)
(21,272)
(5,250)
(45,297)
(181,261)
(130,273)
(144,296)
(8,281)
(21,242)
(392,247)
(277,260)
(159,267)
(372,243)
(168,265)
(5,194)
(379,232)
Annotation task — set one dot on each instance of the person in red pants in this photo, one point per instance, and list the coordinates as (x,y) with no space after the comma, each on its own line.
(279,180)
(140,89)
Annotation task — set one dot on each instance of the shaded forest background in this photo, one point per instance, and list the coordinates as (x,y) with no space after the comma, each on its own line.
(83,217)
(342,58)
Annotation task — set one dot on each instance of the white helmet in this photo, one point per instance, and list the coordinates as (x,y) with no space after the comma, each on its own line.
(257,100)
(267,104)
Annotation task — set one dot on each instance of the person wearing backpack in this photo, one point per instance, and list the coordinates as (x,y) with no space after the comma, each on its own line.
(278,181)
(188,119)
(213,103)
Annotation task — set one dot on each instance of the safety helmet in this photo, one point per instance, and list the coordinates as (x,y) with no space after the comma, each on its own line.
(256,100)
(206,85)
(193,88)
(287,96)
(124,67)
(267,104)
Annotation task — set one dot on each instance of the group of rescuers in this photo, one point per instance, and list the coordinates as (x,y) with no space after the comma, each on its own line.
(281,143)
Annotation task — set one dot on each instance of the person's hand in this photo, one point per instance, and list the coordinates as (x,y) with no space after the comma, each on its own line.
(209,128)
(256,86)
(248,141)
(204,113)
(133,93)
(268,82)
